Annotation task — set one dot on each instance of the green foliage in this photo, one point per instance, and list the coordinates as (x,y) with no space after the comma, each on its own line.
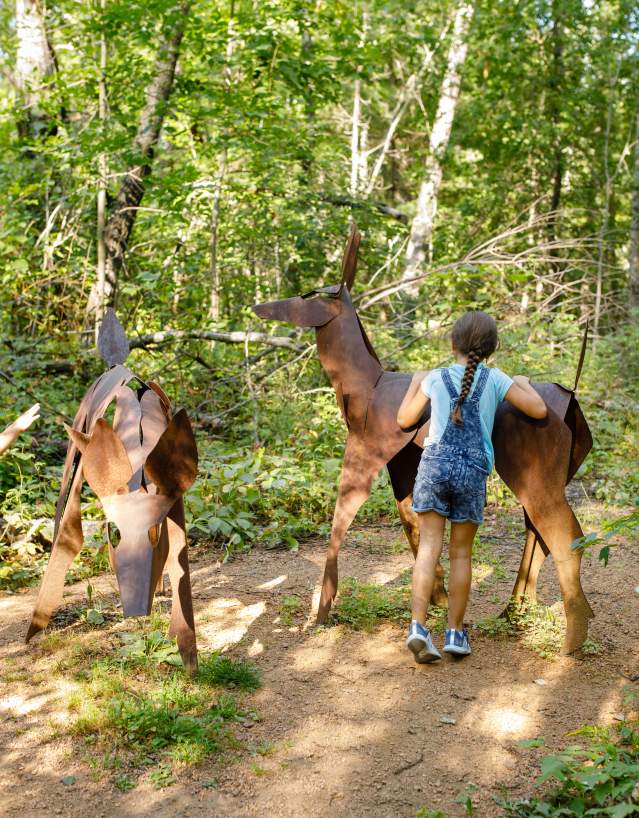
(150,648)
(627,525)
(598,779)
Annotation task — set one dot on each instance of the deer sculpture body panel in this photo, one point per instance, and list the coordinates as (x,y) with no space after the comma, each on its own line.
(535,458)
(139,468)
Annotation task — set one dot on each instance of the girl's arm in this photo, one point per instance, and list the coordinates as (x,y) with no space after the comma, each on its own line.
(414,403)
(18,426)
(523,396)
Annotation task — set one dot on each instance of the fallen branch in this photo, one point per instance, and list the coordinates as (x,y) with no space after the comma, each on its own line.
(347,201)
(238,337)
(408,765)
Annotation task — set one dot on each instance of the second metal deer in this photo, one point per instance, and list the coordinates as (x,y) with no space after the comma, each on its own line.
(535,458)
(139,467)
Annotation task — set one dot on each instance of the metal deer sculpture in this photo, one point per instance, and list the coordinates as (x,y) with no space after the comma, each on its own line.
(535,458)
(139,468)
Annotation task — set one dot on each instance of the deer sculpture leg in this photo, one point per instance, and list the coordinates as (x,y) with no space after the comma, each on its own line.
(558,527)
(535,552)
(182,626)
(411,529)
(354,488)
(66,547)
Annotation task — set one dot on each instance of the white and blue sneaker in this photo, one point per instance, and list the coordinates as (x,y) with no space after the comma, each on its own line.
(457,642)
(420,643)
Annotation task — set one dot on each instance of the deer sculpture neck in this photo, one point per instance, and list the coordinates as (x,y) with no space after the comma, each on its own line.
(347,358)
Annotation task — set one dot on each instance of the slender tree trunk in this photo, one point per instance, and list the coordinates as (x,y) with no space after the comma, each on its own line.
(605,216)
(556,83)
(120,223)
(35,64)
(355,161)
(633,256)
(419,244)
(102,182)
(214,311)
(214,269)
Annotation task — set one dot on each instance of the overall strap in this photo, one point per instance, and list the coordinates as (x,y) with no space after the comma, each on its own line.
(481,383)
(448,383)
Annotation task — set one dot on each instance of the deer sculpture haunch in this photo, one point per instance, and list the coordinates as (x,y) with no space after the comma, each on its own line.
(139,468)
(535,458)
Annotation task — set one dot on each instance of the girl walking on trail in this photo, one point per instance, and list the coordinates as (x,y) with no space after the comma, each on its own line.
(455,464)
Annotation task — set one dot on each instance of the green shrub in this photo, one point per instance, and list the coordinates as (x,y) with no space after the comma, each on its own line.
(601,779)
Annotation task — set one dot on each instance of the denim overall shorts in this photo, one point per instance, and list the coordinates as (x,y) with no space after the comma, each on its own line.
(452,473)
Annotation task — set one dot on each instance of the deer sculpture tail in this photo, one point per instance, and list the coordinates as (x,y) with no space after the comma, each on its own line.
(582,355)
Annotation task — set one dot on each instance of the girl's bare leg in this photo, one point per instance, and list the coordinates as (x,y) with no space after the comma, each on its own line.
(459,552)
(431,539)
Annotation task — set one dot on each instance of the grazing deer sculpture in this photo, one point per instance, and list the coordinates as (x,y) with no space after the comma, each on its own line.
(535,458)
(139,468)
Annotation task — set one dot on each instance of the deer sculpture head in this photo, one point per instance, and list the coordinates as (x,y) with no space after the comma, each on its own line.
(139,467)
(320,306)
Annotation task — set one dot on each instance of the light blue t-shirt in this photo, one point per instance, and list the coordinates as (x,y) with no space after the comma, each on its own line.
(433,386)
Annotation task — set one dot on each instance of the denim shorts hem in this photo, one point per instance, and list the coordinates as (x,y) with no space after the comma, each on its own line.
(467,520)
(431,508)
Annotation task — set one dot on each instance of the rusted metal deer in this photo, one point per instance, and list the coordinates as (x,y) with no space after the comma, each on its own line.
(535,458)
(139,468)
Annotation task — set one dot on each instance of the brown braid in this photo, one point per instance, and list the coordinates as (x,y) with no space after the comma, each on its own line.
(474,357)
(475,335)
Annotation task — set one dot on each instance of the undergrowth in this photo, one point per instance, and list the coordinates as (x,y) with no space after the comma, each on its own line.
(600,778)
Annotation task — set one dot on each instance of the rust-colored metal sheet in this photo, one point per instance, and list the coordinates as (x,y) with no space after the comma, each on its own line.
(139,468)
(534,458)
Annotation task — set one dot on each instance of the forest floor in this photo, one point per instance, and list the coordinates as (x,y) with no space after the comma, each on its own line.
(345,723)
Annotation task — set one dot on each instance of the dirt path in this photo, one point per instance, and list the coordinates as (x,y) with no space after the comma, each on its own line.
(353,726)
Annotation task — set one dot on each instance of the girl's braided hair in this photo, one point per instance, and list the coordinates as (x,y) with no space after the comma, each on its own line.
(474,335)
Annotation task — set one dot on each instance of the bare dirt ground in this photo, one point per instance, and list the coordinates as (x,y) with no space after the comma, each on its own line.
(354,726)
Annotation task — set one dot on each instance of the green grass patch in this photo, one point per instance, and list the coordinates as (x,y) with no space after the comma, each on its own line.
(290,607)
(216,670)
(363,605)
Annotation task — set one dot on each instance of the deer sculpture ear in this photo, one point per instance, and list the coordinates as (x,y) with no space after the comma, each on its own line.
(80,440)
(172,464)
(349,259)
(112,342)
(105,463)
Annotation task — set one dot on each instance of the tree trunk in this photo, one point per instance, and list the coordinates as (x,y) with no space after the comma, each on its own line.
(216,284)
(605,216)
(355,161)
(214,310)
(633,256)
(556,82)
(102,182)
(120,223)
(35,64)
(419,244)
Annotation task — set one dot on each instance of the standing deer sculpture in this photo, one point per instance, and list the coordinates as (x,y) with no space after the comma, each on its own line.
(535,458)
(139,468)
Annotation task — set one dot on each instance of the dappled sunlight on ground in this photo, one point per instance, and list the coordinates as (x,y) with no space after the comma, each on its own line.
(224,622)
(271,583)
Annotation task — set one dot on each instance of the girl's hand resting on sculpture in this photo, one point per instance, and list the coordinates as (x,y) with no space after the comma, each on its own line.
(522,395)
